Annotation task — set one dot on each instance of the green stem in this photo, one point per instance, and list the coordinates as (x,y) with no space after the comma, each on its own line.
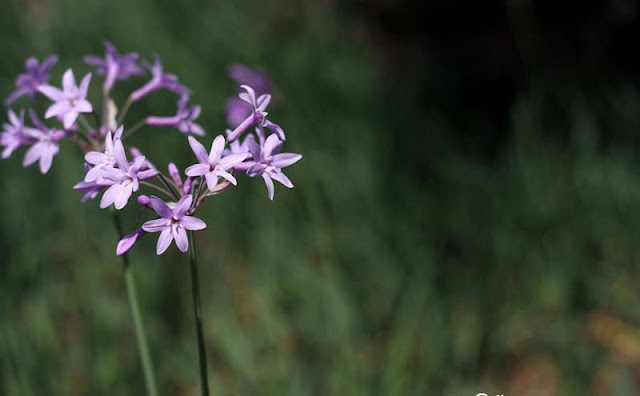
(138,323)
(134,128)
(124,111)
(195,289)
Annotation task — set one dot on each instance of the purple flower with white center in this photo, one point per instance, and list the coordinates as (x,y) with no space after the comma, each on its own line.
(12,135)
(126,178)
(37,74)
(268,162)
(212,165)
(258,116)
(115,66)
(70,101)
(159,80)
(45,146)
(100,160)
(183,120)
(236,109)
(173,223)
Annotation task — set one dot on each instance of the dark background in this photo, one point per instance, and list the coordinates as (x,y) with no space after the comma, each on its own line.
(465,217)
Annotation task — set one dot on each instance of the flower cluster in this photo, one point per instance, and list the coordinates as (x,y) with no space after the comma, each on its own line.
(252,147)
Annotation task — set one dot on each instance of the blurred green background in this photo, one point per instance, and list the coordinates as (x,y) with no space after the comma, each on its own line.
(465,218)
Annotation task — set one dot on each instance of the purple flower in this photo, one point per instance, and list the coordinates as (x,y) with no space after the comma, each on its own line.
(115,66)
(12,135)
(45,146)
(173,223)
(102,160)
(128,241)
(268,162)
(125,178)
(236,109)
(70,101)
(37,74)
(212,165)
(159,80)
(183,120)
(258,116)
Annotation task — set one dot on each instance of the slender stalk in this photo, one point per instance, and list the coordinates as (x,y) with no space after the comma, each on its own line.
(124,111)
(195,289)
(138,323)
(157,188)
(169,185)
(134,128)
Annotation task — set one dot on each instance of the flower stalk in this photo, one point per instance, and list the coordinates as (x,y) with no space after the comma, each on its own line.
(138,323)
(197,309)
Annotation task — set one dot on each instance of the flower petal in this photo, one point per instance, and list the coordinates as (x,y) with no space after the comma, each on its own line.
(192,223)
(109,196)
(95,157)
(197,170)
(164,241)
(270,145)
(83,106)
(47,157)
(84,86)
(182,206)
(160,207)
(33,154)
(285,159)
(216,149)
(70,118)
(180,235)
(156,225)
(269,183)
(281,177)
(199,150)
(57,109)
(69,81)
(226,175)
(212,180)
(123,195)
(232,159)
(52,93)
(120,155)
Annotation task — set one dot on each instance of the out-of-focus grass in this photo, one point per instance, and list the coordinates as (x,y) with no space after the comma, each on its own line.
(399,265)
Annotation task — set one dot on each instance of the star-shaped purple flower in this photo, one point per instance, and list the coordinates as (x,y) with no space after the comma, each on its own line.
(12,135)
(70,101)
(159,80)
(258,116)
(173,223)
(102,160)
(115,66)
(126,178)
(37,74)
(212,165)
(268,162)
(184,119)
(45,146)
(238,110)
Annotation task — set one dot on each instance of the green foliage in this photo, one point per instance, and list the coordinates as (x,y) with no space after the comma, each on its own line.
(399,265)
